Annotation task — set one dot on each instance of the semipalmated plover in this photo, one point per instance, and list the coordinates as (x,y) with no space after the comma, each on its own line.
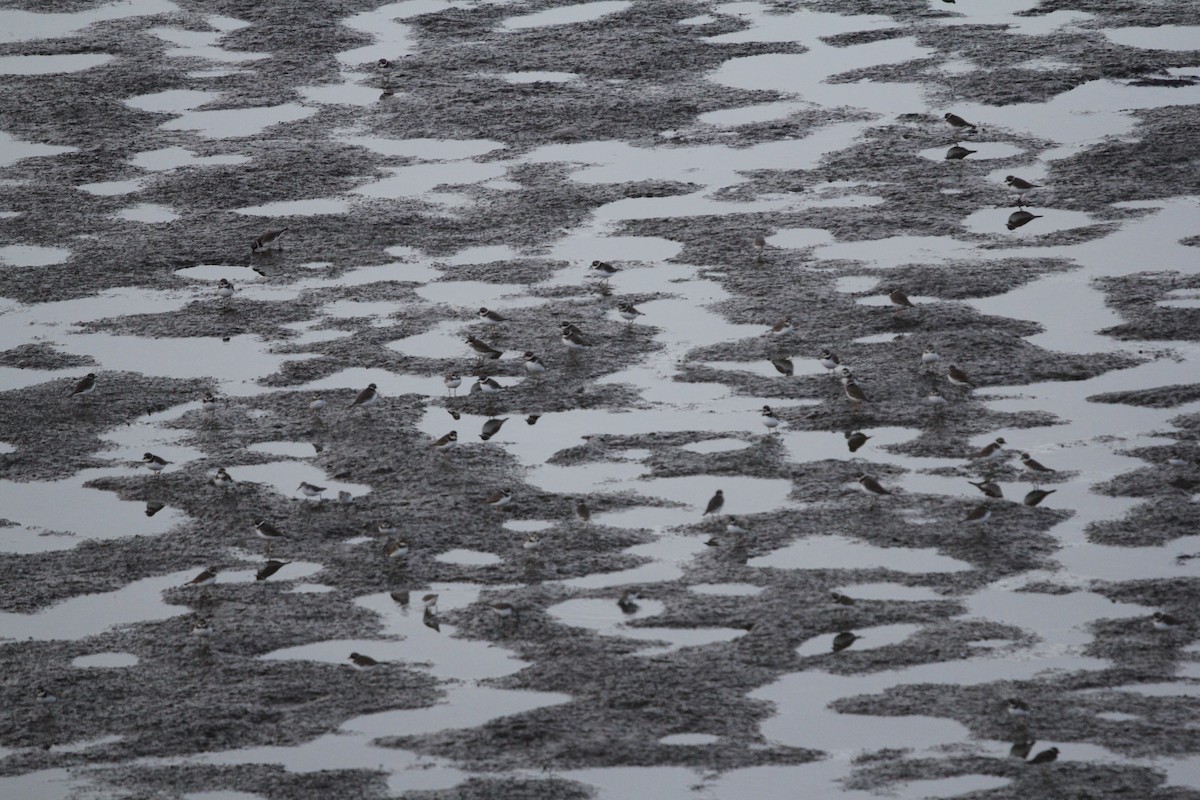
(156,463)
(395,548)
(1044,757)
(446,443)
(760,244)
(1034,466)
(582,511)
(715,504)
(488,385)
(841,599)
(900,298)
(206,578)
(202,627)
(1016,707)
(316,404)
(572,339)
(224,289)
(222,479)
(930,356)
(628,312)
(209,402)
(363,662)
(1020,186)
(855,393)
(829,360)
(386,528)
(503,610)
(935,399)
(769,419)
(783,327)
(491,318)
(603,269)
(499,499)
(367,397)
(989,488)
(1164,622)
(265,530)
(958,123)
(991,451)
(269,238)
(483,349)
(86,385)
(959,378)
(978,515)
(533,364)
(871,484)
(531,543)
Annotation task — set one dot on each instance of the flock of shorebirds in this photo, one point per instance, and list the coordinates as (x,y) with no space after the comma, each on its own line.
(574,340)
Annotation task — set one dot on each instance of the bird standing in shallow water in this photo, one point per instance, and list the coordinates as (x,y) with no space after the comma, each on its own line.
(1020,186)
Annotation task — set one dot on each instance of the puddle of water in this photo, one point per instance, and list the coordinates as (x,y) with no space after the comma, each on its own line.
(891,592)
(202,44)
(421,181)
(529,525)
(390,384)
(147,212)
(13,150)
(173,101)
(565,15)
(690,739)
(93,614)
(57,515)
(169,158)
(837,552)
(468,557)
(607,619)
(1051,220)
(983,151)
(26,26)
(285,476)
(726,589)
(341,94)
(105,661)
(215,272)
(477,294)
(667,555)
(955,786)
(716,446)
(1161,37)
(298,208)
(236,122)
(288,449)
(29,255)
(539,77)
(51,65)
(223,795)
(111,188)
(872,638)
(426,149)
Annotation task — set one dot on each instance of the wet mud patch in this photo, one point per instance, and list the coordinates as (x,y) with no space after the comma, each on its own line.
(43,357)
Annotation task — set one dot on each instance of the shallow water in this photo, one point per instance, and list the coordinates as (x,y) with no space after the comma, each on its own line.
(681,308)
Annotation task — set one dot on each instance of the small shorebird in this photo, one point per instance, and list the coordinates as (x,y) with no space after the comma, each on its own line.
(446,443)
(156,463)
(783,327)
(1044,757)
(222,479)
(1016,707)
(1020,186)
(209,402)
(395,549)
(533,364)
(488,385)
(978,515)
(603,269)
(269,238)
(316,404)
(265,530)
(872,485)
(452,382)
(1034,466)
(224,289)
(829,360)
(930,357)
(991,451)
(310,489)
(989,488)
(769,419)
(715,504)
(582,511)
(363,662)
(367,397)
(206,578)
(628,312)
(1164,622)
(760,244)
(483,349)
(572,339)
(499,499)
(490,318)
(628,602)
(855,393)
(900,298)
(959,378)
(85,387)
(958,123)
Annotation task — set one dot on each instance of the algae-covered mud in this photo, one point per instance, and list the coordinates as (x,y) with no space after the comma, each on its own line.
(955,555)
